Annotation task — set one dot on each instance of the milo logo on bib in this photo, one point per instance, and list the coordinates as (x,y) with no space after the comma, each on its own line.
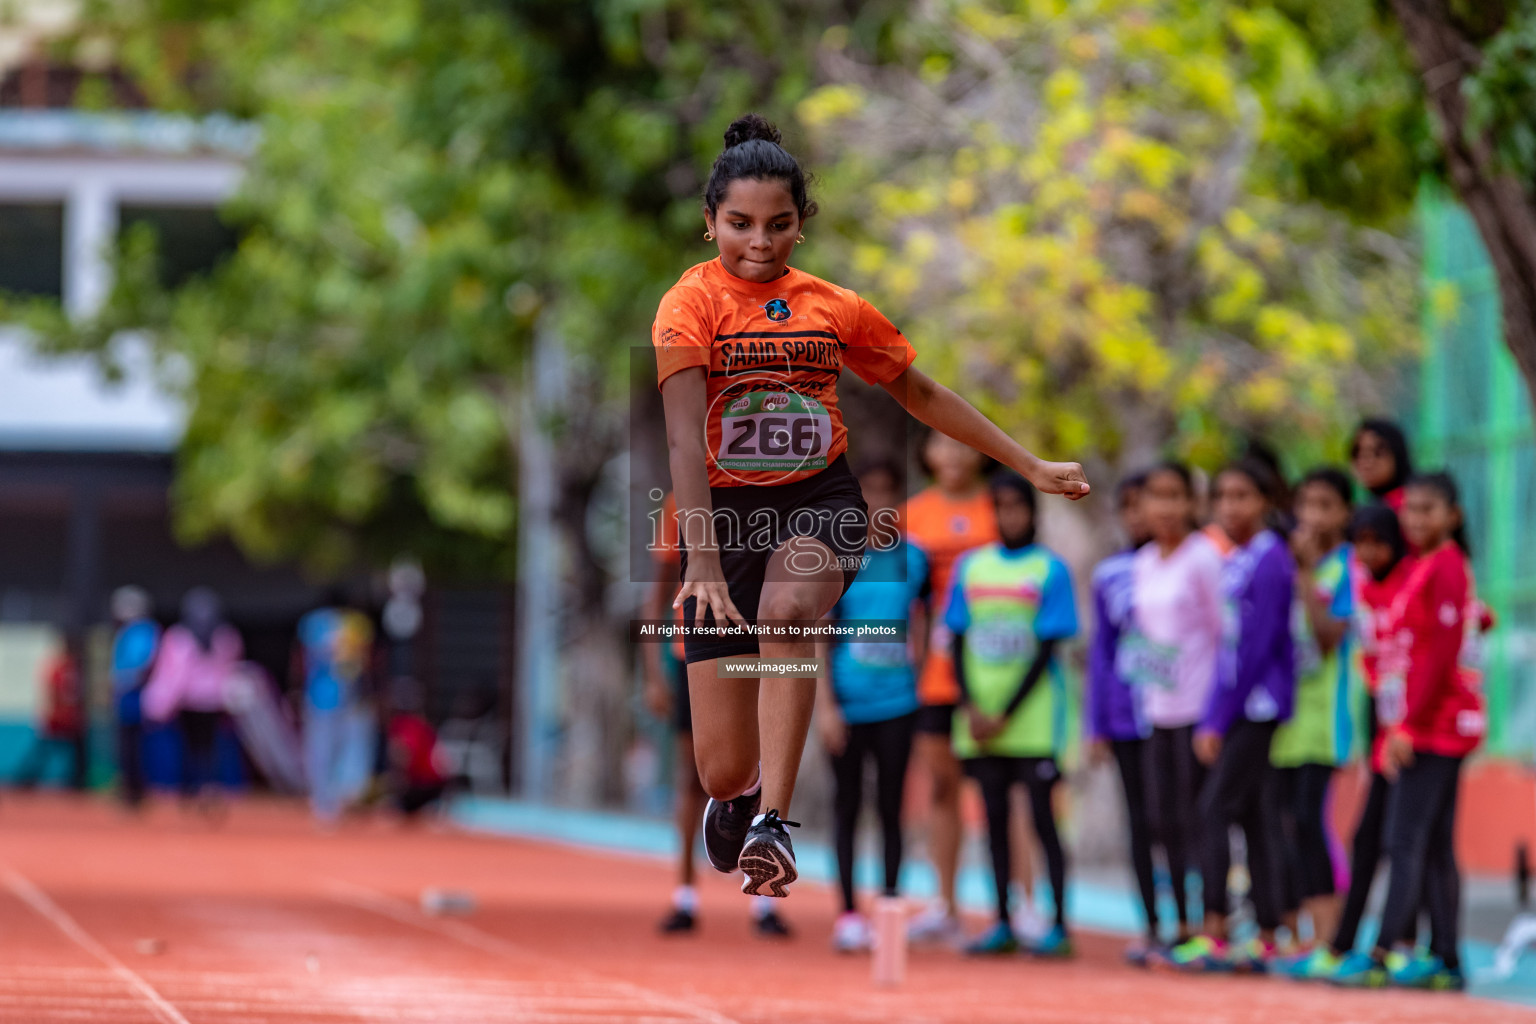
(774,430)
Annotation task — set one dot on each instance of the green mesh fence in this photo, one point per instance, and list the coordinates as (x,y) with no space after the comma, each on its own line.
(1475,419)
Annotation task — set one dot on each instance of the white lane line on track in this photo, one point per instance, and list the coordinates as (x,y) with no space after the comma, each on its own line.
(38,900)
(398,910)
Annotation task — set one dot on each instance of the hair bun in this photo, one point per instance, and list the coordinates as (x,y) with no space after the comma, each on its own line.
(749,127)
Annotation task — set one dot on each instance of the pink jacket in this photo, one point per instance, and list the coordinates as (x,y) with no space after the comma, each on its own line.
(188,678)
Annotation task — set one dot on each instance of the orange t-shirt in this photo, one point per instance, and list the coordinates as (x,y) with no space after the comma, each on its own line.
(773,353)
(945,529)
(1218,537)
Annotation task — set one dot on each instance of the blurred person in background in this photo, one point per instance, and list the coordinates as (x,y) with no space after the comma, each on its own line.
(669,702)
(1254,692)
(1118,727)
(866,704)
(945,520)
(1431,707)
(1170,657)
(1203,488)
(61,720)
(134,646)
(197,657)
(1010,607)
(1379,566)
(1317,739)
(1378,454)
(333,652)
(1282,514)
(415,778)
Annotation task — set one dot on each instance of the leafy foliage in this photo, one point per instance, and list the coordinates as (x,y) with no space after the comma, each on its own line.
(1089,213)
(1501,95)
(434,184)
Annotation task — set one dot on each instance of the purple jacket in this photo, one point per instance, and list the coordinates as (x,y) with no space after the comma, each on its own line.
(1256,667)
(1114,706)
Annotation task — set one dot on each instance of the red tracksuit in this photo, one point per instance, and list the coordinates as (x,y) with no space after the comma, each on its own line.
(1430,678)
(1373,603)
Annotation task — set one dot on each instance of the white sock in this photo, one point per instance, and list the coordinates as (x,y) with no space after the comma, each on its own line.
(686,899)
(757,783)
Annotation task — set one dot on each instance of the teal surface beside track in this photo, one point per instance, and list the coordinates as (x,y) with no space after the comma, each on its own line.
(1094,904)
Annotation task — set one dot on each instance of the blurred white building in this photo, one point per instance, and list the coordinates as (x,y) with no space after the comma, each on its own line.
(86,463)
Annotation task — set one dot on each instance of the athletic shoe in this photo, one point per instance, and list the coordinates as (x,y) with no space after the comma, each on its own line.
(1285,965)
(1316,964)
(771,926)
(1252,957)
(851,933)
(677,922)
(935,926)
(768,857)
(1054,944)
(1199,954)
(1359,970)
(725,829)
(1426,972)
(1322,965)
(1028,925)
(996,941)
(1141,952)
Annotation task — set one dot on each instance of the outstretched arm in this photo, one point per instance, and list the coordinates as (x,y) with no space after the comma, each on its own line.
(948,413)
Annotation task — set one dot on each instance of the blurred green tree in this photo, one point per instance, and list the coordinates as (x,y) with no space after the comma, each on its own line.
(1477,62)
(434,184)
(1101,216)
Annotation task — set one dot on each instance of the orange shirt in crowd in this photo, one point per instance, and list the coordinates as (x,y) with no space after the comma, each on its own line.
(945,528)
(773,353)
(1219,539)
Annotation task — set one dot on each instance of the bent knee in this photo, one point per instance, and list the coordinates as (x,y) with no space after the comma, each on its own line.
(724,781)
(792,603)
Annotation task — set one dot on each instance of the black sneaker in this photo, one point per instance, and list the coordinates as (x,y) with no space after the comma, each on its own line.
(725,828)
(772,926)
(677,922)
(767,858)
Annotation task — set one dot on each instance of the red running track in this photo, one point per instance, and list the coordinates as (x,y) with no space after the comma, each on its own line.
(164,920)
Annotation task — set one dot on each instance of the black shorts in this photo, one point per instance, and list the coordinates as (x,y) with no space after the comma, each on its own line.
(936,719)
(1028,770)
(751,523)
(682,710)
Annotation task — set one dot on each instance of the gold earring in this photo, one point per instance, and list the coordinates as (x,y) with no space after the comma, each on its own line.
(800,240)
(709,236)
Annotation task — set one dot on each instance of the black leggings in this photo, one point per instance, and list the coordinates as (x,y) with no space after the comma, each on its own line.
(200,730)
(130,762)
(1421,852)
(1364,857)
(996,776)
(890,743)
(1175,778)
(1299,833)
(1365,851)
(1234,795)
(1131,756)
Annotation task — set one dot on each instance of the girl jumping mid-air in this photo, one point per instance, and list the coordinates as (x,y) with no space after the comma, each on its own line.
(772,521)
